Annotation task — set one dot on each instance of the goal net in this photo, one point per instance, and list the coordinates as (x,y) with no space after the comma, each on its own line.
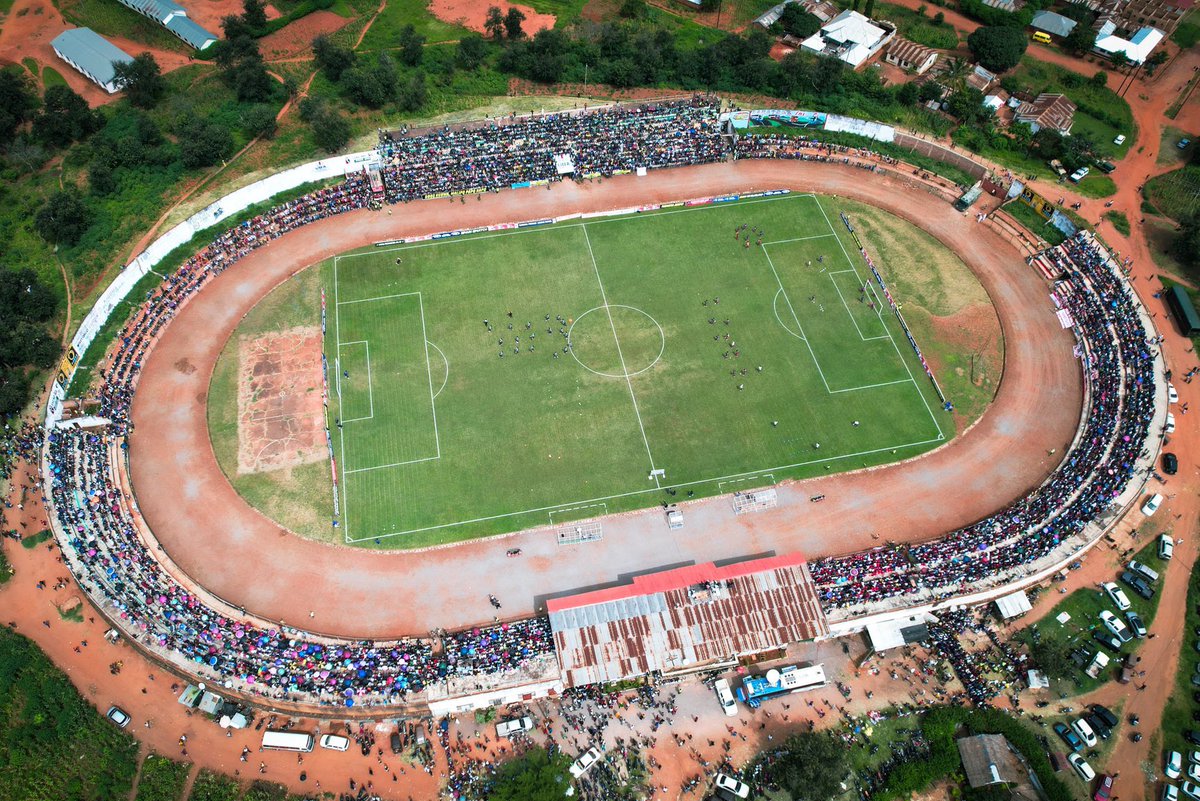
(756,501)
(581,531)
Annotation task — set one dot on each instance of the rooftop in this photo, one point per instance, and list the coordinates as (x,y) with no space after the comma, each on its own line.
(91,52)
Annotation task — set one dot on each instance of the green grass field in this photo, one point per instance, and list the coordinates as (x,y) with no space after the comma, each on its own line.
(442,438)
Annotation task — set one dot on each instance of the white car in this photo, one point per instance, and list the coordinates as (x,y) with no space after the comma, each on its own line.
(580,766)
(1170,792)
(1151,505)
(118,716)
(1174,766)
(1166,547)
(1117,595)
(1114,624)
(1085,732)
(1172,393)
(1194,756)
(1081,767)
(730,788)
(335,742)
(725,696)
(1193,772)
(1169,428)
(507,728)
(1120,140)
(1191,791)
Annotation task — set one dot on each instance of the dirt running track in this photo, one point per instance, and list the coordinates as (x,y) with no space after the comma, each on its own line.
(233,550)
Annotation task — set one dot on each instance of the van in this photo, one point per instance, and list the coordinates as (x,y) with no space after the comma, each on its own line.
(1042,37)
(1146,572)
(274,740)
(507,728)
(1166,547)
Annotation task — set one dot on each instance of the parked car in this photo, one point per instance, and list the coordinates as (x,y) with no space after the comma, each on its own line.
(1170,792)
(507,728)
(1194,756)
(725,696)
(1148,573)
(1166,547)
(1080,174)
(1169,427)
(1114,624)
(1081,727)
(1193,771)
(730,789)
(1137,584)
(1105,714)
(1191,791)
(1174,765)
(1170,464)
(1183,143)
(585,761)
(396,743)
(1117,595)
(1106,166)
(335,742)
(1172,393)
(1107,640)
(1120,140)
(1069,737)
(1103,788)
(1192,736)
(1082,767)
(118,716)
(1135,624)
(1151,504)
(1098,726)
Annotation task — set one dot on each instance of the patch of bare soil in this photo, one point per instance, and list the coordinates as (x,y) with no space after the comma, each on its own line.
(472,14)
(280,410)
(296,37)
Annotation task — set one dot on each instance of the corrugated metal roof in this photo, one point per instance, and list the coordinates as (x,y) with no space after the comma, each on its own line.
(190,32)
(685,617)
(91,52)
(159,10)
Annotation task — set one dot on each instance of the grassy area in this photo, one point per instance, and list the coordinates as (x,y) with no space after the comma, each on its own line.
(565,11)
(919,28)
(1188,32)
(110,18)
(34,540)
(52,77)
(1102,113)
(1034,222)
(386,29)
(210,786)
(1096,185)
(6,569)
(685,383)
(1169,151)
(1175,194)
(1177,715)
(1119,221)
(161,779)
(54,743)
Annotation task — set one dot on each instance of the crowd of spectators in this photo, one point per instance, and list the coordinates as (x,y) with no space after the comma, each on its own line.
(598,143)
(802,148)
(111,560)
(1118,370)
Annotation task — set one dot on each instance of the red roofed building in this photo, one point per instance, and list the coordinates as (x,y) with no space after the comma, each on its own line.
(1048,110)
(685,619)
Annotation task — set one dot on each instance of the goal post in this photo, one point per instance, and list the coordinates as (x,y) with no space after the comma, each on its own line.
(756,501)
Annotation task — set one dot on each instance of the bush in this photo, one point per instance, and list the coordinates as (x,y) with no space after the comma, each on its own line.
(161,779)
(63,218)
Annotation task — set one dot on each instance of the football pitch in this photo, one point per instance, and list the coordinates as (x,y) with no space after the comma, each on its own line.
(551,374)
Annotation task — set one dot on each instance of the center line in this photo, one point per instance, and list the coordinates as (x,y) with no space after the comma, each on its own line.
(621,356)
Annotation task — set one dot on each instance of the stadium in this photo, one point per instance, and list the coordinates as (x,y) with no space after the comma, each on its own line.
(819,482)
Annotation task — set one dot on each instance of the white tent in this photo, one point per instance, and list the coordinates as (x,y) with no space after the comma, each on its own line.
(1013,605)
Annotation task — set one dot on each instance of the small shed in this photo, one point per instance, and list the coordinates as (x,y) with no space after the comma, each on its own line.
(988,759)
(1013,605)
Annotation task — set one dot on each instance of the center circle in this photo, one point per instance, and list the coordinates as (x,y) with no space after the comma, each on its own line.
(637,346)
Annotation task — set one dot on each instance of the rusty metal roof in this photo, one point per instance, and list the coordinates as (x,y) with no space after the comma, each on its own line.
(686,617)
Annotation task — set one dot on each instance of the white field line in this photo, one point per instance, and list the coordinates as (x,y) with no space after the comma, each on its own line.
(370,386)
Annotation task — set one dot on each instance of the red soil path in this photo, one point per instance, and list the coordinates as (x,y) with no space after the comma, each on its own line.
(221,542)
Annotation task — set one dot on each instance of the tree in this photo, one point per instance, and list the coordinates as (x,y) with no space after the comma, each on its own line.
(260,120)
(1081,39)
(472,50)
(412,93)
(796,21)
(26,155)
(63,218)
(372,85)
(997,47)
(251,81)
(811,766)
(1100,79)
(202,144)
(18,102)
(331,131)
(1053,657)
(65,118)
(966,104)
(332,59)
(633,9)
(102,180)
(141,80)
(939,19)
(870,9)
(512,23)
(1156,60)
(534,776)
(548,55)
(412,46)
(494,23)
(254,16)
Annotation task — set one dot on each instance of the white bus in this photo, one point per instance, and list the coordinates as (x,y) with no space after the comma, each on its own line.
(287,740)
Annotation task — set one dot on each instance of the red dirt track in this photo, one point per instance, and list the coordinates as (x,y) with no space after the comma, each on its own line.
(237,553)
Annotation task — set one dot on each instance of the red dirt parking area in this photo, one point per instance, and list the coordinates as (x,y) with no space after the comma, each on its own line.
(279,400)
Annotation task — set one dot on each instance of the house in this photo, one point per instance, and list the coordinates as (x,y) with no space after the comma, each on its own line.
(92,55)
(1137,48)
(996,100)
(1162,14)
(1011,6)
(910,55)
(989,759)
(850,37)
(1048,110)
(174,18)
(981,79)
(1053,24)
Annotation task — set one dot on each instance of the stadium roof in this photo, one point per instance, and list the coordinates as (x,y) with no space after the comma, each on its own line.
(1053,23)
(190,32)
(91,54)
(690,616)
